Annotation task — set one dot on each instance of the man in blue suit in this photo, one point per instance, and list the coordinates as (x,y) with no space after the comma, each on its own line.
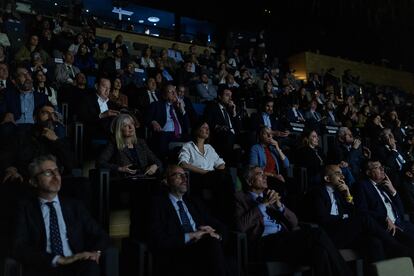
(168,120)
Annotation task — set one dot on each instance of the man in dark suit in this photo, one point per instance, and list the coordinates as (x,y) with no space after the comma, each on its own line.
(348,150)
(266,117)
(97,111)
(168,120)
(54,235)
(142,98)
(331,206)
(22,100)
(272,230)
(185,239)
(389,154)
(377,196)
(225,123)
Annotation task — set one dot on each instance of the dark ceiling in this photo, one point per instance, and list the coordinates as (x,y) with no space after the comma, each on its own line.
(370,30)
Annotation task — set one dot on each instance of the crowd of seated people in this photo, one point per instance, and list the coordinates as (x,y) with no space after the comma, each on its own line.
(227,111)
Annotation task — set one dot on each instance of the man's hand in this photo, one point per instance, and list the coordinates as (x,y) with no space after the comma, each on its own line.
(388,185)
(49,134)
(109,113)
(210,231)
(93,256)
(366,152)
(272,197)
(356,143)
(11,173)
(343,188)
(195,236)
(8,118)
(232,107)
(156,126)
(151,169)
(343,164)
(391,227)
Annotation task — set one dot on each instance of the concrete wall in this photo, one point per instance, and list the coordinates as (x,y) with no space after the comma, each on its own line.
(308,62)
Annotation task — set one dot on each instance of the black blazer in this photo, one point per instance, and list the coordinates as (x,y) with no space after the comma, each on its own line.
(166,232)
(367,199)
(319,207)
(215,117)
(112,158)
(89,108)
(158,112)
(29,242)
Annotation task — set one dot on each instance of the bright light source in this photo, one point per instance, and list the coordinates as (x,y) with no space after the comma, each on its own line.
(141,21)
(155,24)
(155,34)
(153,19)
(55,4)
(87,10)
(129,18)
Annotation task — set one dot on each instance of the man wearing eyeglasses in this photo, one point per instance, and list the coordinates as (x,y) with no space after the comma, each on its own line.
(273,232)
(377,196)
(184,238)
(54,235)
(331,206)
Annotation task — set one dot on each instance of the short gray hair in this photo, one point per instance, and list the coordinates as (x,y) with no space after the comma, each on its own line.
(248,173)
(342,131)
(36,162)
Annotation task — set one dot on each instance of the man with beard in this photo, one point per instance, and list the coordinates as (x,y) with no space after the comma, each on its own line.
(46,136)
(22,101)
(348,150)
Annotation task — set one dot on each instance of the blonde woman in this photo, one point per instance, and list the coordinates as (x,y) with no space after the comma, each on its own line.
(128,155)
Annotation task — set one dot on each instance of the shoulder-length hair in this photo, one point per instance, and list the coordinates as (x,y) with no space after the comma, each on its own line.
(118,123)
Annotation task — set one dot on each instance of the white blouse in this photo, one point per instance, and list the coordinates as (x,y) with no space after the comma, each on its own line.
(190,154)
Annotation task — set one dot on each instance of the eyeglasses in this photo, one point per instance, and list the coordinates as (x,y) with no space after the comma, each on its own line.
(50,172)
(377,167)
(177,174)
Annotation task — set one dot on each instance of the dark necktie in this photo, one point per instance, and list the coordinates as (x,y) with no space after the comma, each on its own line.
(337,197)
(55,239)
(71,73)
(185,220)
(316,116)
(176,123)
(226,117)
(153,96)
(387,199)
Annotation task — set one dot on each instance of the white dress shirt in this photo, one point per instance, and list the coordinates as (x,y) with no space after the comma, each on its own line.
(386,201)
(103,104)
(62,225)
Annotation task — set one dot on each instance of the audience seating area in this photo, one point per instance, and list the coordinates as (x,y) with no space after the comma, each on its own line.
(71,62)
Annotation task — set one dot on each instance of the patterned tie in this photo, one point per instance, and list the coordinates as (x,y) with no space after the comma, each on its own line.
(185,221)
(176,123)
(55,239)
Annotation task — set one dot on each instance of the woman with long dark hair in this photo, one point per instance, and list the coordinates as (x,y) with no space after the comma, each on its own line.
(42,86)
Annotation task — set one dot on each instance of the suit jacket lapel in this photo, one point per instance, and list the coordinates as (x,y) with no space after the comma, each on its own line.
(38,218)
